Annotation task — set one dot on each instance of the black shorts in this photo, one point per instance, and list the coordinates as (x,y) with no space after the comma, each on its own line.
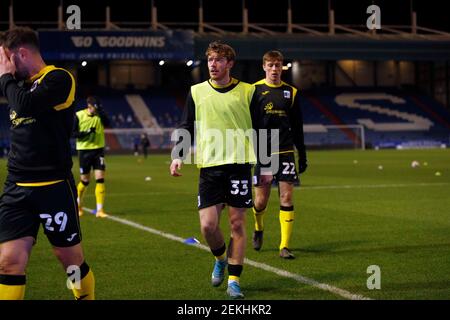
(94,159)
(23,209)
(286,170)
(230,184)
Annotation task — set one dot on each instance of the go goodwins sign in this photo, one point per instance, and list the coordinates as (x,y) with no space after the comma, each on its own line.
(116,45)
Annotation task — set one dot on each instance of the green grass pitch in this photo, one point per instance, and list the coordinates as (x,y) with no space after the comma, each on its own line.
(349,215)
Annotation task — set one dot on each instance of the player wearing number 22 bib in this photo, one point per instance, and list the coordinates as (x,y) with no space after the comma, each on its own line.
(278,108)
(39,188)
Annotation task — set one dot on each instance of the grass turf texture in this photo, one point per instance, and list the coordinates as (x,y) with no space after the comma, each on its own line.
(348,216)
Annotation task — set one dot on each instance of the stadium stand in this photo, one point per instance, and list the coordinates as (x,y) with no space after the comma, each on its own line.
(164,108)
(132,112)
(391,117)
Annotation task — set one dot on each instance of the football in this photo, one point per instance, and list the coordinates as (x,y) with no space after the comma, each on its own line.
(415,164)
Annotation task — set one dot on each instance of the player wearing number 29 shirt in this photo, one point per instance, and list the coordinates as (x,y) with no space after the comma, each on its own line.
(220,111)
(39,188)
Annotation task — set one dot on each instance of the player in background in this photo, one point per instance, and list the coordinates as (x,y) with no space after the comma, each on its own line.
(278,108)
(39,188)
(89,131)
(145,144)
(219,104)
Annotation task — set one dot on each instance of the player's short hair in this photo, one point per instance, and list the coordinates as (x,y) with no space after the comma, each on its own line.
(221,49)
(94,101)
(20,37)
(272,55)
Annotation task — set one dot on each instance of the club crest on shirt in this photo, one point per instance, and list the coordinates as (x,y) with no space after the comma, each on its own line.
(12,115)
(268,107)
(287,94)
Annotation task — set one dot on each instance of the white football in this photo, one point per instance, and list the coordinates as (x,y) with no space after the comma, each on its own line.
(415,164)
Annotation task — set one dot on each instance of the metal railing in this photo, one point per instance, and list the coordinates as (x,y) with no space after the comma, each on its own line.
(243,27)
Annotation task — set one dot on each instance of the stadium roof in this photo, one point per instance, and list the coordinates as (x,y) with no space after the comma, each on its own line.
(322,29)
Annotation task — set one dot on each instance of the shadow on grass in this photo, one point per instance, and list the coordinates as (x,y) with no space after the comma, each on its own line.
(329,247)
(345,247)
(342,248)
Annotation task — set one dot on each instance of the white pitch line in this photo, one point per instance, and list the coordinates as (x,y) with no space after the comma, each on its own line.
(283,273)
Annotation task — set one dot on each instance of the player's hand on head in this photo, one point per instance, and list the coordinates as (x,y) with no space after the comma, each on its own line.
(92,130)
(175,166)
(7,64)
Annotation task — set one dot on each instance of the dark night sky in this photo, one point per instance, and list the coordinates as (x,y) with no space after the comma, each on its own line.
(431,13)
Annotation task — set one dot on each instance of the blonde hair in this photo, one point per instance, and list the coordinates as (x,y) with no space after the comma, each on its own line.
(272,55)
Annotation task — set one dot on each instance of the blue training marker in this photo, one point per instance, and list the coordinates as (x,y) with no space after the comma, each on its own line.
(191,241)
